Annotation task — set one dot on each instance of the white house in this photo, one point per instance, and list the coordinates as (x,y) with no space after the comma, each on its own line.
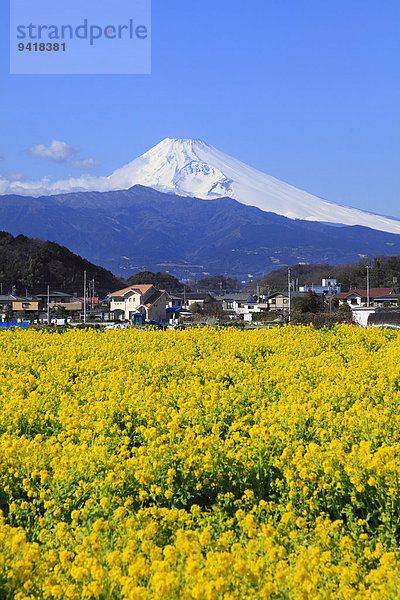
(138,303)
(358,297)
(242,304)
(174,307)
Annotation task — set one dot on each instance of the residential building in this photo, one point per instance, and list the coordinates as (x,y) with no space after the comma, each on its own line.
(358,297)
(200,298)
(242,304)
(279,301)
(138,303)
(328,286)
(55,297)
(26,305)
(390,300)
(174,307)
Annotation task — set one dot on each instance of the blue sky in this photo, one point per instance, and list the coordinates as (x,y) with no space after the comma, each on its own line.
(304,90)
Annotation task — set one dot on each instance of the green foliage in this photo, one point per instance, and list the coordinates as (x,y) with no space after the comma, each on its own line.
(33,263)
(353,275)
(195,308)
(321,319)
(159,280)
(262,316)
(345,308)
(310,303)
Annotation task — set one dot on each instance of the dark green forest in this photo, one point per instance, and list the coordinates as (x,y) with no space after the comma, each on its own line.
(32,264)
(163,281)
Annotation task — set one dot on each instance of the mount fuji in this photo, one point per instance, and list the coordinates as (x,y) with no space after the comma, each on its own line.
(193,168)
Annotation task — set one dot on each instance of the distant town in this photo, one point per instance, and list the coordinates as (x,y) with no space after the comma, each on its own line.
(143,304)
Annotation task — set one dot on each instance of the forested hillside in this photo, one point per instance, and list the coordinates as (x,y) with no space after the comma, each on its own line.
(383,273)
(32,264)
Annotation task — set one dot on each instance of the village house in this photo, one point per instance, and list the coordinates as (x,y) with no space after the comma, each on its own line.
(26,305)
(328,286)
(388,301)
(242,304)
(138,303)
(358,297)
(19,306)
(199,298)
(55,297)
(60,303)
(279,301)
(174,307)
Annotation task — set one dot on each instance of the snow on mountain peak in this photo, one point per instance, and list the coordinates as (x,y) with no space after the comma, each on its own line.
(191,167)
(178,166)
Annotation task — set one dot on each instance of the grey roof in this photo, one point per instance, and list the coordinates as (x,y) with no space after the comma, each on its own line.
(239,297)
(194,296)
(286,294)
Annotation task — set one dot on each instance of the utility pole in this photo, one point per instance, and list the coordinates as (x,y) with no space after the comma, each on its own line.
(84,296)
(48,305)
(290,296)
(368,268)
(93,294)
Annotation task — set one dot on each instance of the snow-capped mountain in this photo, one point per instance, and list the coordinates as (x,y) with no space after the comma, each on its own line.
(193,168)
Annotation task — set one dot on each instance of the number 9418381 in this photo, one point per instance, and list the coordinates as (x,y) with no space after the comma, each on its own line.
(42,47)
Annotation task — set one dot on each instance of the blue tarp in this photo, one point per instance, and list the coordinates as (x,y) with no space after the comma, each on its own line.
(14,324)
(174,309)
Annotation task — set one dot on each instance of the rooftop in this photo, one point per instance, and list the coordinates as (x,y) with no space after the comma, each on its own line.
(139,289)
(373,292)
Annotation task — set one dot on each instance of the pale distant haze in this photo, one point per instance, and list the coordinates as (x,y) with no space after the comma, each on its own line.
(304,91)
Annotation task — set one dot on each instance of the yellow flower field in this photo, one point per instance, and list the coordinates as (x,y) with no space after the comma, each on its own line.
(200,464)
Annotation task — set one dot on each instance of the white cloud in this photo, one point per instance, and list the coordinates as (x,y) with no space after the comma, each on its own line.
(86,164)
(57,151)
(45,187)
(15,177)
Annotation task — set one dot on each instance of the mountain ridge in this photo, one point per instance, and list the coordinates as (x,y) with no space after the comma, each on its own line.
(143,229)
(193,168)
